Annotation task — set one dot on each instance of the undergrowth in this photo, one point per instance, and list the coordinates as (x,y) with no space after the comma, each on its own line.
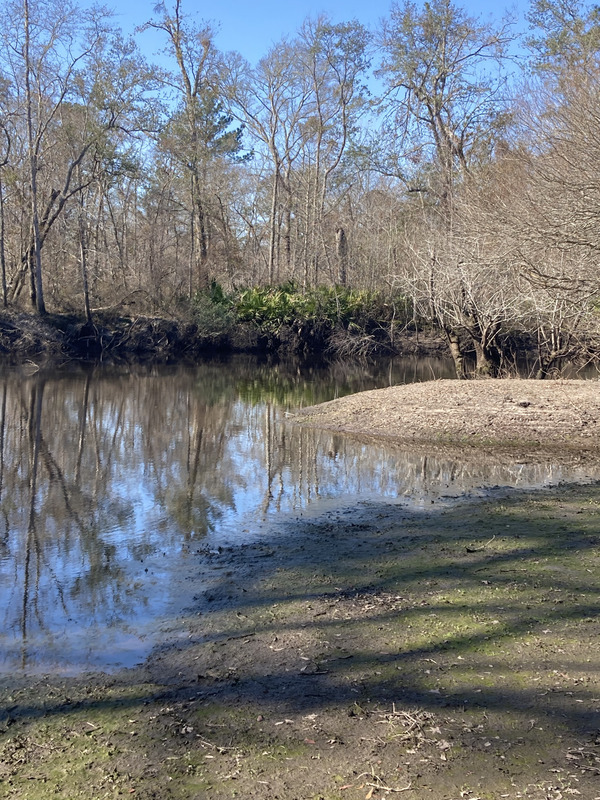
(325,319)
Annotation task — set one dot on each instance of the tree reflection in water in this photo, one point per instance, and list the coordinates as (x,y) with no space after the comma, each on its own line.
(111,479)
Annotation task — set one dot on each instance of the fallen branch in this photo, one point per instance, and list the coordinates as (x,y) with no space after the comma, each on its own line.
(483,546)
(390,788)
(381,785)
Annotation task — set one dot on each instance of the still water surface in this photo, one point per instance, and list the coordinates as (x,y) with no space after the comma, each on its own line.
(111,479)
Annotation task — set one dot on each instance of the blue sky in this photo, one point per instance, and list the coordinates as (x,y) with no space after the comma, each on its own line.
(252,28)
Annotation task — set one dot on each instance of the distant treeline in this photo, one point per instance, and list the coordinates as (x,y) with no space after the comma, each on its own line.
(439,173)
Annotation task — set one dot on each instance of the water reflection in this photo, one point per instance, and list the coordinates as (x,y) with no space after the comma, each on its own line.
(111,479)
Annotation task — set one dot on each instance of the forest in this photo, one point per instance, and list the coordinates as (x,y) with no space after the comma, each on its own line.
(438,174)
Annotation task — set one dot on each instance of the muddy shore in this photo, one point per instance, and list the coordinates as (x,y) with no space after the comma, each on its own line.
(449,653)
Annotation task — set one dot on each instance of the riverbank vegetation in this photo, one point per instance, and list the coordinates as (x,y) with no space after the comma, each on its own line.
(327,322)
(436,175)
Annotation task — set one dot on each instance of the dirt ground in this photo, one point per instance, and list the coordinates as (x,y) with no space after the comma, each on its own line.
(376,651)
(505,413)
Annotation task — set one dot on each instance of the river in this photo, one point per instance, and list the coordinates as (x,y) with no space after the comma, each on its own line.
(115,480)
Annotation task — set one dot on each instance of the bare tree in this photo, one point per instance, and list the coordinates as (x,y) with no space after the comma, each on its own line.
(44,48)
(335,59)
(273,101)
(449,109)
(200,130)
(441,92)
(556,216)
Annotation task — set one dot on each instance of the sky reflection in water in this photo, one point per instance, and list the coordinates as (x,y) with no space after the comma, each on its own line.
(112,480)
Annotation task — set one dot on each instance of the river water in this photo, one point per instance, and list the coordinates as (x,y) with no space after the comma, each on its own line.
(113,480)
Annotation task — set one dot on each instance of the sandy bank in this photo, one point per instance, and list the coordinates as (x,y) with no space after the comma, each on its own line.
(503,412)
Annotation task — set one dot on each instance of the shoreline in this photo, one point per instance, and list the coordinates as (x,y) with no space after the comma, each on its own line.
(359,650)
(508,414)
(146,338)
(367,649)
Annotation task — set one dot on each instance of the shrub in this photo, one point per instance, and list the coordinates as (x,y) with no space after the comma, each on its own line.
(213,316)
(310,321)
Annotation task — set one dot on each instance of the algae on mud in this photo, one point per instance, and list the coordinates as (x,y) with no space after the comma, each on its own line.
(448,653)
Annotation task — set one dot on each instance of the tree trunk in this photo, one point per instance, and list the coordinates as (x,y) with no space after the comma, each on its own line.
(484,365)
(455,347)
(273,232)
(84,272)
(341,248)
(201,243)
(487,356)
(287,241)
(2,248)
(37,286)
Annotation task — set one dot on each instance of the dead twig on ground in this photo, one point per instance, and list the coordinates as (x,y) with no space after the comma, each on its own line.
(381,785)
(385,788)
(483,546)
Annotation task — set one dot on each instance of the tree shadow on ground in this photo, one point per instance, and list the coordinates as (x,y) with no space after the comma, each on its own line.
(359,605)
(484,610)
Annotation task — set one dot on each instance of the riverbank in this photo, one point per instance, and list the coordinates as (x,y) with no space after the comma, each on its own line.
(201,331)
(58,339)
(507,414)
(449,653)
